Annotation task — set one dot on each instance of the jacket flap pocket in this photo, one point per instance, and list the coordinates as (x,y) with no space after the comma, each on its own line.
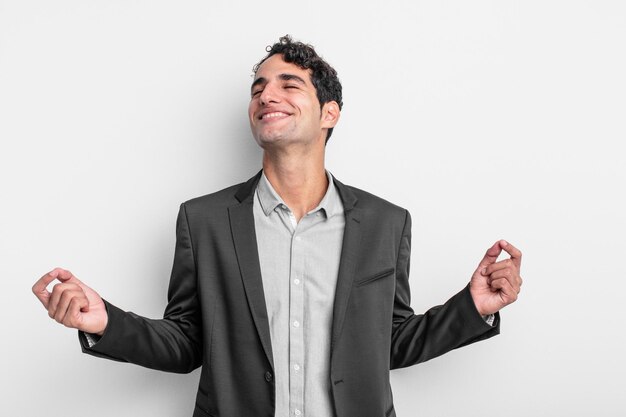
(375,277)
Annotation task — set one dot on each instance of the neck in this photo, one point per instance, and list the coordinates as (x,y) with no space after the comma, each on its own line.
(299,179)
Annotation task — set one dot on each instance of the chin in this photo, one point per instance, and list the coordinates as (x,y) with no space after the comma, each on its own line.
(271,136)
(265,141)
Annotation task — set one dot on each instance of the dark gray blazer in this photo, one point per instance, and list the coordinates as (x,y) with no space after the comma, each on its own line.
(216,316)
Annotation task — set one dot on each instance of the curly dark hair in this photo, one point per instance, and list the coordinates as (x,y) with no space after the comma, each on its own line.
(323,76)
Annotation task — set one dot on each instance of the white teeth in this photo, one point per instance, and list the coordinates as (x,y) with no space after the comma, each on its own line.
(275,114)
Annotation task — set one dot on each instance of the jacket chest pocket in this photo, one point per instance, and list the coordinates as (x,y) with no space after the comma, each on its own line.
(375,277)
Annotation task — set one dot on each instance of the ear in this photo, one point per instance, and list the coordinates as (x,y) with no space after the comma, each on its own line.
(330,114)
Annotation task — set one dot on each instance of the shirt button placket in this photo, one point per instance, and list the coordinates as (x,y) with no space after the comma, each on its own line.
(296,338)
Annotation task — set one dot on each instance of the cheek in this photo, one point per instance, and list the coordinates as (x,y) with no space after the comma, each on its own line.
(251,110)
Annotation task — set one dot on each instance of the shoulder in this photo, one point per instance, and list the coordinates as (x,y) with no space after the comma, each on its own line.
(381,221)
(373,200)
(372,205)
(224,198)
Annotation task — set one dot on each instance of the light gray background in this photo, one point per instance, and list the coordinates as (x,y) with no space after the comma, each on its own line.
(486,119)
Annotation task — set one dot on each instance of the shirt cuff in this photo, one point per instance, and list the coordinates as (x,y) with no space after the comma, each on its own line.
(488,319)
(92,339)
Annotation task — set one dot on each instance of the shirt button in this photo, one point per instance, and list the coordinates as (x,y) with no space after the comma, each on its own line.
(298,238)
(296,367)
(296,281)
(268,376)
(297,412)
(296,324)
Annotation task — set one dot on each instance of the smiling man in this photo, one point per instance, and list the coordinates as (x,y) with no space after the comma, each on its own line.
(291,289)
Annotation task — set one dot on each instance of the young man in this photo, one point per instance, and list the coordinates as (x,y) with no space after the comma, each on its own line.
(291,289)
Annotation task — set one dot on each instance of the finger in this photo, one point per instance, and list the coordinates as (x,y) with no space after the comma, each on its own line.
(55,297)
(507,293)
(74,318)
(516,254)
(64,302)
(510,276)
(503,264)
(40,288)
(68,312)
(491,255)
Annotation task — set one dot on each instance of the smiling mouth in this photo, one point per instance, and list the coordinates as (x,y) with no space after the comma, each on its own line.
(273,115)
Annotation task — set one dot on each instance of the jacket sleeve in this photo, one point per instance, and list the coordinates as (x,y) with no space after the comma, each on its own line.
(173,343)
(420,337)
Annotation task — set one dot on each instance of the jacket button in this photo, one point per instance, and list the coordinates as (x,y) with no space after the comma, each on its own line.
(268,376)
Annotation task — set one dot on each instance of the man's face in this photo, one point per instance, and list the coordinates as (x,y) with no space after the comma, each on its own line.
(284,108)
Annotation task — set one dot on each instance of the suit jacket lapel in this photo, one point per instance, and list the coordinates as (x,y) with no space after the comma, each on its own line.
(244,236)
(349,259)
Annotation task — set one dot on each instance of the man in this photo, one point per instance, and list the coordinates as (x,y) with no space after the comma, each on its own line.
(290,290)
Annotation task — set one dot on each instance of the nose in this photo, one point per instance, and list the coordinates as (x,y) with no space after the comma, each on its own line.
(269,95)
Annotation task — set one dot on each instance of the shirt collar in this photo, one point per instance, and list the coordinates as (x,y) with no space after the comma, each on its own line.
(269,199)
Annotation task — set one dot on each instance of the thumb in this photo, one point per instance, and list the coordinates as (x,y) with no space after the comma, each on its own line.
(491,255)
(64,275)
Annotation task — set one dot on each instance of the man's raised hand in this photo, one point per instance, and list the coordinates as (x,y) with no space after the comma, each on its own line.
(496,284)
(71,302)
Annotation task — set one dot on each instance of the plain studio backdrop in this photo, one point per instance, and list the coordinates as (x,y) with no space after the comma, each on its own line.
(486,119)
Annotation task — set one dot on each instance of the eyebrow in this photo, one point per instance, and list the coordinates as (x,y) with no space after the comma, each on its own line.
(291,77)
(284,77)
